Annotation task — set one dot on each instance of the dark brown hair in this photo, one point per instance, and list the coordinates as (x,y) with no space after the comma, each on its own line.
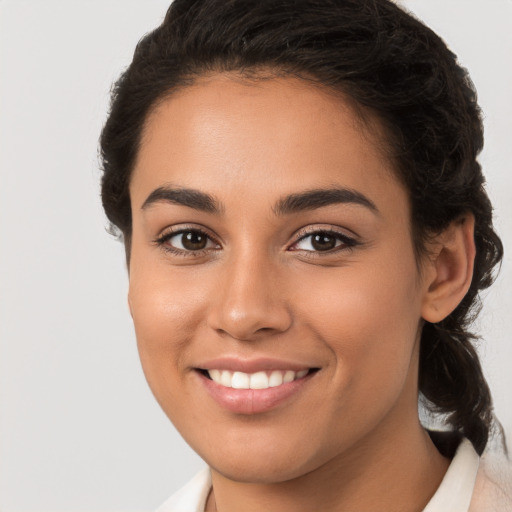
(390,64)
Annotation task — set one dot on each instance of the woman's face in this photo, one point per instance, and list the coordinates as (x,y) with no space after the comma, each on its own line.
(271,248)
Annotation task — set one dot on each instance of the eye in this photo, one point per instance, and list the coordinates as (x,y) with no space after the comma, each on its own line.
(323,241)
(186,240)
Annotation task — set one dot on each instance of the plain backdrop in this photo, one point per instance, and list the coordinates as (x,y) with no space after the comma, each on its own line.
(79,429)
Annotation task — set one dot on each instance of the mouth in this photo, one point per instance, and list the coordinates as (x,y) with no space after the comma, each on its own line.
(255,393)
(258,380)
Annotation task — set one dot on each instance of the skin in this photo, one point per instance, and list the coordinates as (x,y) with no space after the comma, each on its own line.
(351,438)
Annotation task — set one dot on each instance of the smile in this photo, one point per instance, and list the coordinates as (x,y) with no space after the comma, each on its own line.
(258,380)
(254,392)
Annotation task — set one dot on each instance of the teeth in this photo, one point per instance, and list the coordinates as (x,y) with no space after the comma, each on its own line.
(225,378)
(275,379)
(258,380)
(289,376)
(240,380)
(215,375)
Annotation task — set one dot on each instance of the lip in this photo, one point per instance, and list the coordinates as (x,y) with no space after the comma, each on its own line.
(236,364)
(253,401)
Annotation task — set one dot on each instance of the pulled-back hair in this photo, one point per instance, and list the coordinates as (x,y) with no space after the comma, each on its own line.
(392,66)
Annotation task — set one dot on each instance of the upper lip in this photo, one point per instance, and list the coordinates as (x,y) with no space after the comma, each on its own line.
(236,364)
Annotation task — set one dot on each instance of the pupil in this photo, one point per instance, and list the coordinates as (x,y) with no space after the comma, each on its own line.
(323,242)
(193,241)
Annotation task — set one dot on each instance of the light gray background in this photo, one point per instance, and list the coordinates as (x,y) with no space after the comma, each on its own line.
(79,429)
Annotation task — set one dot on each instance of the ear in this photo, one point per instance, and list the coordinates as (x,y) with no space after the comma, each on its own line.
(449,271)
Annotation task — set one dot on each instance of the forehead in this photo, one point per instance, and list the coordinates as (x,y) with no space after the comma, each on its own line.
(226,133)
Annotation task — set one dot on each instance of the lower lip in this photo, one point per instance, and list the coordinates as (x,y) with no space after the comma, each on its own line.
(253,401)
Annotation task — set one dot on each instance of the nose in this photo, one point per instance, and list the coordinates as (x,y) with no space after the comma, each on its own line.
(251,301)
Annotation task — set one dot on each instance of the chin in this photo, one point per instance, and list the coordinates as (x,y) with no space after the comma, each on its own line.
(262,472)
(267,464)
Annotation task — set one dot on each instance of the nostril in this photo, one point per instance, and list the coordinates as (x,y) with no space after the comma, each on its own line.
(249,313)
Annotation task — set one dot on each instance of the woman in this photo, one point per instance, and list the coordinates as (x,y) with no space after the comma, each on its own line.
(306,232)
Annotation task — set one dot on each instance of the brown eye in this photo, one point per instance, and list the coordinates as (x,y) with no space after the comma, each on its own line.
(193,240)
(187,241)
(323,242)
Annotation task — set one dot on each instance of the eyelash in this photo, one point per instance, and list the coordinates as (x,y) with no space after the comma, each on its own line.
(347,243)
(162,240)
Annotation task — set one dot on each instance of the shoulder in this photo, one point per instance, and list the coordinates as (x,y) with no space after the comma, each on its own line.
(493,485)
(190,498)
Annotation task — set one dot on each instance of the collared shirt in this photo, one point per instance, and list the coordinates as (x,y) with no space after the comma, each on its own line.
(469,485)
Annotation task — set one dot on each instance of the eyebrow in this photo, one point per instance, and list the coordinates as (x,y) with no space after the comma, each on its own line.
(293,203)
(185,197)
(319,198)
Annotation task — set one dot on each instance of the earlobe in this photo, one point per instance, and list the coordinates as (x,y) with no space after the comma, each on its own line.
(450,269)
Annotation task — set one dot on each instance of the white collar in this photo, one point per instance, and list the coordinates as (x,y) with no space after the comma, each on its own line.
(192,497)
(455,492)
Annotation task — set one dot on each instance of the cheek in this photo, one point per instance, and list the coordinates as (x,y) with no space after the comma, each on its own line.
(166,313)
(155,307)
(369,319)
(365,299)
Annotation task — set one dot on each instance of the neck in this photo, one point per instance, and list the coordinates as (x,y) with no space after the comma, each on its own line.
(398,470)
